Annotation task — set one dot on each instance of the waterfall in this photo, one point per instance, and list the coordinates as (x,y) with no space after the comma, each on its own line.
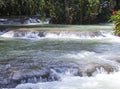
(23,20)
(58,34)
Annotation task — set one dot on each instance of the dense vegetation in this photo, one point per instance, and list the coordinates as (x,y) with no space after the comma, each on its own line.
(116,20)
(60,11)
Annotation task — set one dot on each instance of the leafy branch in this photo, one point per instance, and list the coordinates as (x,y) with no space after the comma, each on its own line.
(115,18)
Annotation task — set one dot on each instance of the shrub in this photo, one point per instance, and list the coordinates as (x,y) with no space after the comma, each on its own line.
(115,18)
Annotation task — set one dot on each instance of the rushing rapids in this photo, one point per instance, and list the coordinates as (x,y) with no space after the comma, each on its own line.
(59,59)
(38,34)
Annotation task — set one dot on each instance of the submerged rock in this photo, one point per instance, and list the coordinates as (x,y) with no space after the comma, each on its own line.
(93,69)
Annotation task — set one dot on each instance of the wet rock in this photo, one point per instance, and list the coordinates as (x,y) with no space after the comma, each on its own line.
(41,34)
(67,70)
(24,76)
(19,34)
(30,74)
(92,69)
(7,66)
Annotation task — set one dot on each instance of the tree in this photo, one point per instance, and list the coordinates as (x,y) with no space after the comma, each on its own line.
(60,11)
(117,5)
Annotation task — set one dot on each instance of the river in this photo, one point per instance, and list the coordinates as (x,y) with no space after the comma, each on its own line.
(74,57)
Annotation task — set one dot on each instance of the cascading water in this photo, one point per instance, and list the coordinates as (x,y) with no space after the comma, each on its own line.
(23,20)
(69,59)
(56,35)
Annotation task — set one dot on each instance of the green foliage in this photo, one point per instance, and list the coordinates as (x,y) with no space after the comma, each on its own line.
(60,11)
(116,17)
(116,20)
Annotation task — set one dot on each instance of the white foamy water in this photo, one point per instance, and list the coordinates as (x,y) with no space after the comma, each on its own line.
(90,57)
(98,65)
(78,35)
(100,81)
(36,35)
(23,35)
(23,21)
(9,34)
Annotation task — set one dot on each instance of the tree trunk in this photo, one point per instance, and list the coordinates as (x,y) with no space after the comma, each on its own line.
(67,11)
(117,6)
(81,12)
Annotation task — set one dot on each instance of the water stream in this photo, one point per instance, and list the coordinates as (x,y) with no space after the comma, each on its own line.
(60,59)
